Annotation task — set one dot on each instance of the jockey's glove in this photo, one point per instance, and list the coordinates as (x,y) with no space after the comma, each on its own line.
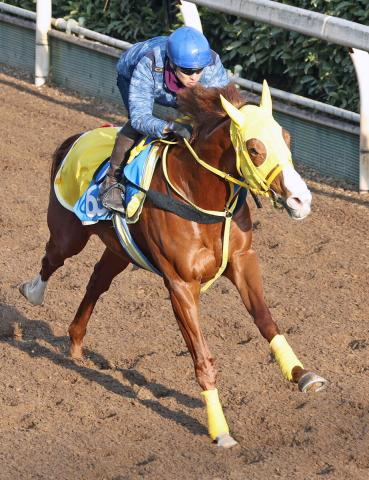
(180,130)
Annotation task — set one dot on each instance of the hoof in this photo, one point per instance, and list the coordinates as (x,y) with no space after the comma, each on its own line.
(311,382)
(224,440)
(34,290)
(76,353)
(24,289)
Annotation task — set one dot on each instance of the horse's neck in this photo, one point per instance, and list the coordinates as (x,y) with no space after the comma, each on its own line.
(199,185)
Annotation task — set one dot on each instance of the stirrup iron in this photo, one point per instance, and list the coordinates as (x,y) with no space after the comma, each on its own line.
(108,198)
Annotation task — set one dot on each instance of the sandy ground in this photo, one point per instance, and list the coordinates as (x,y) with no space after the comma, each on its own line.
(132,409)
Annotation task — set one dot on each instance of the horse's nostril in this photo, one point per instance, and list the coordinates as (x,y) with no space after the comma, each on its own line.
(294,203)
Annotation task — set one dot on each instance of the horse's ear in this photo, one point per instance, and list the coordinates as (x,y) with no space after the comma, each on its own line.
(236,116)
(266,98)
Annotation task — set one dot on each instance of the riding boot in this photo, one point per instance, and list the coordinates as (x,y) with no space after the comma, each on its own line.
(111,190)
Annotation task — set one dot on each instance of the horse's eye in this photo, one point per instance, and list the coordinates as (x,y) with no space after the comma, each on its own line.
(253,151)
(257,151)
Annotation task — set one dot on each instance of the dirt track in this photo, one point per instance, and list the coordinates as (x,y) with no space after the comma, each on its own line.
(132,410)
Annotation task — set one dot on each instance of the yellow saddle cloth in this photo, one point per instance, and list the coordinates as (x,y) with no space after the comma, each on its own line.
(78,167)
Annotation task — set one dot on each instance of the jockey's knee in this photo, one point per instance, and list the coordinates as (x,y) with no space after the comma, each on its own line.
(128,131)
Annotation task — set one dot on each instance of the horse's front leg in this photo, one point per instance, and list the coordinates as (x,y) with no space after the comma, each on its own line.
(244,271)
(185,301)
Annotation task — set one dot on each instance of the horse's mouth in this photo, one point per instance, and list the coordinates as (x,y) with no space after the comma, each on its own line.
(298,216)
(296,209)
(298,213)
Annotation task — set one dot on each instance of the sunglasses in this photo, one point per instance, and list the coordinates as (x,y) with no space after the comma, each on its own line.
(190,71)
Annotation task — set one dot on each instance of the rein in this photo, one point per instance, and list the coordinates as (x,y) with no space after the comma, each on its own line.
(214,170)
(223,214)
(263,183)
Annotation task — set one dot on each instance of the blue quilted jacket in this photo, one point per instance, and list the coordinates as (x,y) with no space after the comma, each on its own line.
(142,70)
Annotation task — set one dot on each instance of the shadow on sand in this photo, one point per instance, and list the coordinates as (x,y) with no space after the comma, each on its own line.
(19,332)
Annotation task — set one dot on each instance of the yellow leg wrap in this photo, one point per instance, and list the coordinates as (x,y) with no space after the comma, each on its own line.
(216,420)
(284,355)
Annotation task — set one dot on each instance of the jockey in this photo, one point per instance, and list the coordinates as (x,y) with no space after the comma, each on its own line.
(154,71)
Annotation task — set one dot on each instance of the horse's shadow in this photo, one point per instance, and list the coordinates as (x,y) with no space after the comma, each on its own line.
(36,339)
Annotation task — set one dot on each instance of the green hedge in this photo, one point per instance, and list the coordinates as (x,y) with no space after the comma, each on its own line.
(288,60)
(127,20)
(291,61)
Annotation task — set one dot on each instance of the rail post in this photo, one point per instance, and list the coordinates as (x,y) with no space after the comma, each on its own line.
(191,17)
(43,23)
(360,60)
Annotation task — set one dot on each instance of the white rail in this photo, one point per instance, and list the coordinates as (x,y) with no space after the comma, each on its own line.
(301,101)
(21,12)
(314,24)
(190,15)
(361,63)
(72,26)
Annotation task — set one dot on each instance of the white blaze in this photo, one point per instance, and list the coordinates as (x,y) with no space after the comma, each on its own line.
(300,199)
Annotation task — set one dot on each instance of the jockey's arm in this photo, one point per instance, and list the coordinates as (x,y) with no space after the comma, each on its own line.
(141,101)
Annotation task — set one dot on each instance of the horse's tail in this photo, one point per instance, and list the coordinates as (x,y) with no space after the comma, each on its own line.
(60,154)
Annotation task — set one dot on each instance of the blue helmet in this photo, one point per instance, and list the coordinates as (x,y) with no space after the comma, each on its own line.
(188,48)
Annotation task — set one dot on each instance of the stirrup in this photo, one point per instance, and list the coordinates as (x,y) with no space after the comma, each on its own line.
(110,200)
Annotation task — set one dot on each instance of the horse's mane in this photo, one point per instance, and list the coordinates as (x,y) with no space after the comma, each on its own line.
(204,107)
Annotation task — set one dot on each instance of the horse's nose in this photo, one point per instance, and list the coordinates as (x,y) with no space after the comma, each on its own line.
(299,208)
(294,202)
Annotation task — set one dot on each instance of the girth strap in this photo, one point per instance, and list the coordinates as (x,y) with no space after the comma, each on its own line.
(169,204)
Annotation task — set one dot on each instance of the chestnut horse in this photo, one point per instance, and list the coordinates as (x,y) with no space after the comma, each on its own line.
(234,143)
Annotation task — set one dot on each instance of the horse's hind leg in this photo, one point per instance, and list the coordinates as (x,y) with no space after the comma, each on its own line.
(34,290)
(244,272)
(105,270)
(68,237)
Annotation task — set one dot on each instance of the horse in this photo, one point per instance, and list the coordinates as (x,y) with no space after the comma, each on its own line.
(235,145)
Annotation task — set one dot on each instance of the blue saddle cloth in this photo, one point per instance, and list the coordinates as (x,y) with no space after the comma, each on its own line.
(89,208)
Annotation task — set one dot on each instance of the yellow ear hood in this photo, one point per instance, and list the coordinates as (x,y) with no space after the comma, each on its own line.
(266,98)
(236,116)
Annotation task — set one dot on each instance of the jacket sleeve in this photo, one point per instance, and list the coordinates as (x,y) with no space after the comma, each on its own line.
(141,101)
(217,75)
